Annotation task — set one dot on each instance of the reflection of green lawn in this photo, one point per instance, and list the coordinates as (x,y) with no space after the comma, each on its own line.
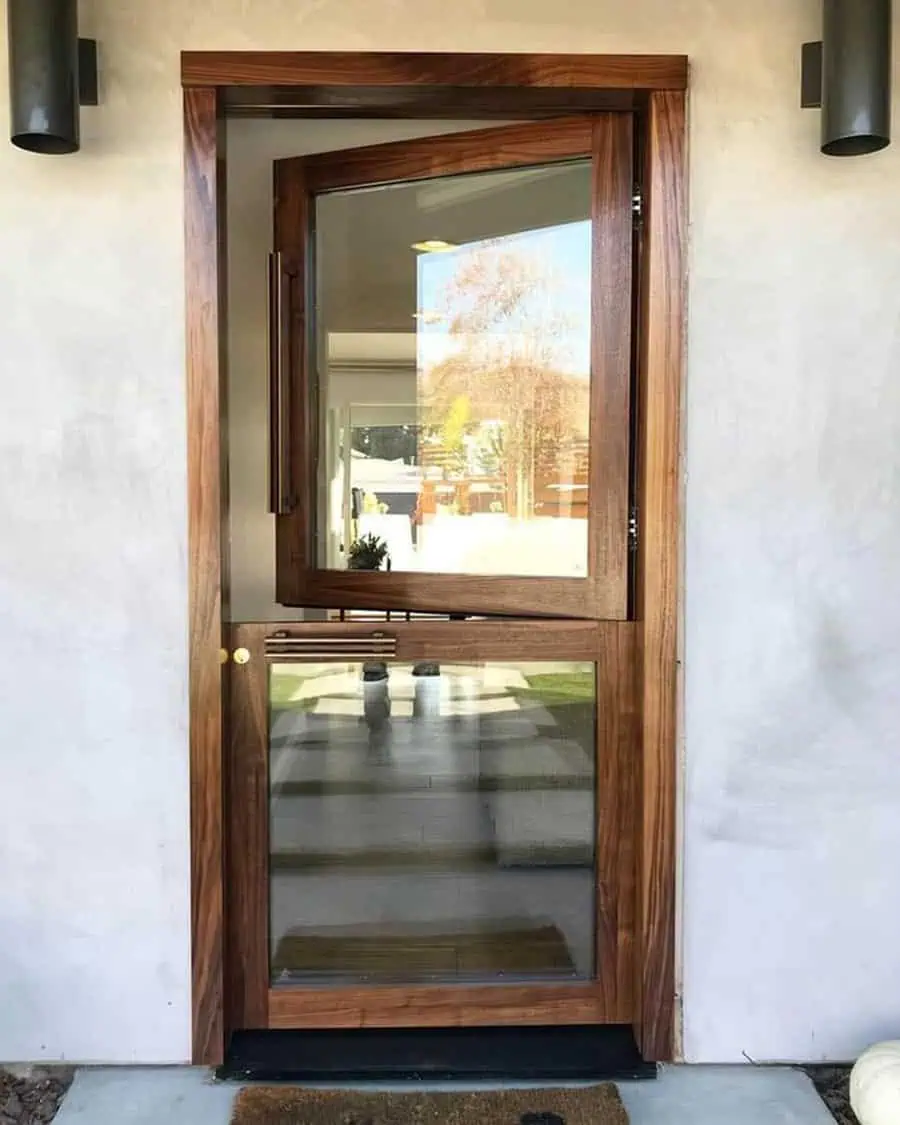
(555,688)
(283,687)
(569,697)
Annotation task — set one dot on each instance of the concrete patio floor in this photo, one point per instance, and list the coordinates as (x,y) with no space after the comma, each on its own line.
(697,1095)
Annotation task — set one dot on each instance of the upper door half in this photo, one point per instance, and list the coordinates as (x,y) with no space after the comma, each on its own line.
(450,343)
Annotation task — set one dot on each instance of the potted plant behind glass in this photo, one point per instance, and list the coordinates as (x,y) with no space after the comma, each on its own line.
(368,552)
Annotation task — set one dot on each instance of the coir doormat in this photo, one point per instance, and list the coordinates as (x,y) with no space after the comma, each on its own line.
(295,1105)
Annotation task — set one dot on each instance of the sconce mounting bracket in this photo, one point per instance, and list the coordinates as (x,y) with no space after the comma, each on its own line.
(811,75)
(88,82)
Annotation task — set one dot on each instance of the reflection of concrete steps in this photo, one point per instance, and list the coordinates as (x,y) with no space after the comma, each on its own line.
(483,788)
(348,823)
(450,859)
(540,825)
(536,764)
(543,829)
(424,799)
(352,787)
(460,799)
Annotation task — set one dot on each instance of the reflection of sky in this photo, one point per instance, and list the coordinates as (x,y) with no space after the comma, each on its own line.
(565,252)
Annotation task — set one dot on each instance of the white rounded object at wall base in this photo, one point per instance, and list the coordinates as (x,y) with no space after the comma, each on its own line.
(875,1085)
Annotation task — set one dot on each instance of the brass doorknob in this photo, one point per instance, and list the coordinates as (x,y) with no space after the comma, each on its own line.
(241,656)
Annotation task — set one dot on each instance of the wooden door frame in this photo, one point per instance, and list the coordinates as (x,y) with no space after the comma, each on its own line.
(334,84)
(605,142)
(255,1003)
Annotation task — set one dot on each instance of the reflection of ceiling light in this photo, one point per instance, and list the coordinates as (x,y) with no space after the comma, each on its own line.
(433,246)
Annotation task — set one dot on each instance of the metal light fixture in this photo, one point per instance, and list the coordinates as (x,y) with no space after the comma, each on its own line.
(51,73)
(848,76)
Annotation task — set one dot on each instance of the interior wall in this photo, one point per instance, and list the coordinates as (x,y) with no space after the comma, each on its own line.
(791,650)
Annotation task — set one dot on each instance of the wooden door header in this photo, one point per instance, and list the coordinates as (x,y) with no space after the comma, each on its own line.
(410,85)
(394,68)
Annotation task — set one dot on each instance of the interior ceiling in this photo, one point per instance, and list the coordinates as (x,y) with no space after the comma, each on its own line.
(367,267)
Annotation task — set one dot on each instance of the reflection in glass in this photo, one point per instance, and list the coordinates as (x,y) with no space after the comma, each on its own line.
(431,823)
(454,383)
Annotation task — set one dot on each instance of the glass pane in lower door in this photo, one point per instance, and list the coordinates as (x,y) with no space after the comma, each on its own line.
(431,823)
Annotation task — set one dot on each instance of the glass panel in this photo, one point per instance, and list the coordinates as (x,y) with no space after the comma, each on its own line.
(431,823)
(454,373)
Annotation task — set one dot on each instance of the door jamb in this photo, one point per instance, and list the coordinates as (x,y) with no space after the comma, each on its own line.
(219,84)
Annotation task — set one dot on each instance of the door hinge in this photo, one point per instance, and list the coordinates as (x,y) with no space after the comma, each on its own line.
(637,205)
(633,530)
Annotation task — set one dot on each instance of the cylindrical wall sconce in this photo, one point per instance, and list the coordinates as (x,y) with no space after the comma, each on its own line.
(46,82)
(856,76)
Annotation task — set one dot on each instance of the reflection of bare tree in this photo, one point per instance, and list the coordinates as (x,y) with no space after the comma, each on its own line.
(505,312)
(453,433)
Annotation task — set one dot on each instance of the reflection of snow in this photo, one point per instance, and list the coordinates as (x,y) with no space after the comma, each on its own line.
(499,544)
(483,544)
(375,474)
(396,531)
(448,543)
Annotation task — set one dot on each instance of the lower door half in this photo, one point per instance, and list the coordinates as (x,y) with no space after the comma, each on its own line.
(431,823)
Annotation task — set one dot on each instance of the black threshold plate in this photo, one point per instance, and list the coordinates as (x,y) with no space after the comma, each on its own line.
(572,1053)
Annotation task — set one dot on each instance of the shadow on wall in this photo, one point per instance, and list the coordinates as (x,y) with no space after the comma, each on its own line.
(800,745)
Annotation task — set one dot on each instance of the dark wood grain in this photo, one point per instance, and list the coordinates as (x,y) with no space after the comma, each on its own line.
(480,150)
(611,645)
(607,141)
(661,382)
(424,103)
(618,763)
(501,640)
(203,262)
(342,69)
(452,641)
(453,593)
(293,529)
(247,827)
(611,303)
(373,84)
(449,1006)
(279,294)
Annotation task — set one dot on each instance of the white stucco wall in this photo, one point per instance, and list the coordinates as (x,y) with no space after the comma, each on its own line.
(792,783)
